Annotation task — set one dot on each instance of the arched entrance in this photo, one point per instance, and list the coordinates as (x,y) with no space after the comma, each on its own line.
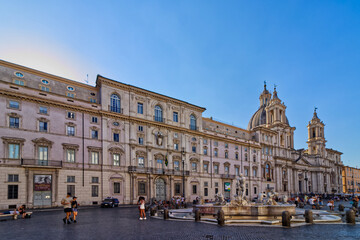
(160,189)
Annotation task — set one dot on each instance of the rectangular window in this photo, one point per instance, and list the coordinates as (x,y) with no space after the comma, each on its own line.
(94,119)
(206,192)
(237,172)
(216,184)
(93,100)
(43,126)
(226,169)
(72,95)
(246,172)
(71,115)
(14,104)
(175,117)
(141,128)
(94,134)
(216,169)
(205,141)
(193,149)
(194,189)
(216,143)
(215,153)
(13,178)
(141,162)
(43,110)
(140,108)
(177,188)
(70,130)
(216,190)
(19,82)
(71,179)
(116,137)
(142,188)
(206,168)
(117,187)
(14,122)
(70,189)
(177,165)
(205,151)
(194,167)
(226,145)
(255,190)
(45,89)
(176,135)
(116,159)
(43,155)
(95,180)
(13,191)
(70,155)
(226,155)
(14,151)
(94,190)
(255,172)
(94,158)
(141,141)
(176,146)
(236,156)
(236,147)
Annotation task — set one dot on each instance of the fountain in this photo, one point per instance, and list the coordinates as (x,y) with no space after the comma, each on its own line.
(240,211)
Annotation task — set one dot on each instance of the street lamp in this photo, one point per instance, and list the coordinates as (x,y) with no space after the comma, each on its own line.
(352,182)
(183,168)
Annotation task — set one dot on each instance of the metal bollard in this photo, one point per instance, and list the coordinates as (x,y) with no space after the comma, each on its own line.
(341,208)
(221,218)
(286,219)
(166,214)
(350,217)
(309,216)
(197,215)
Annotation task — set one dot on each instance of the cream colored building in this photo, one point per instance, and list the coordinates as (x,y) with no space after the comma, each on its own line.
(351,180)
(119,140)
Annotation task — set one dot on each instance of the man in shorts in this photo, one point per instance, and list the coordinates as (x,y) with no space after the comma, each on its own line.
(66,202)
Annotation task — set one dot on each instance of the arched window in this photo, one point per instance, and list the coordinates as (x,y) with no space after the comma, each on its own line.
(115,103)
(158,117)
(254,158)
(192,122)
(267,172)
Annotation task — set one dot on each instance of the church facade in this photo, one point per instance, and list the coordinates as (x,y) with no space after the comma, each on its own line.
(119,140)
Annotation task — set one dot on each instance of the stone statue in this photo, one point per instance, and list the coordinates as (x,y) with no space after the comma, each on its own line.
(159,138)
(261,197)
(219,199)
(240,198)
(270,198)
(285,199)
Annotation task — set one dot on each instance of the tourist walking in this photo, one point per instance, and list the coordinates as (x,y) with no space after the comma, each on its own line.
(74,206)
(66,202)
(141,203)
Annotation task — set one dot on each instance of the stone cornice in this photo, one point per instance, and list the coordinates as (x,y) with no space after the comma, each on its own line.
(146,93)
(45,75)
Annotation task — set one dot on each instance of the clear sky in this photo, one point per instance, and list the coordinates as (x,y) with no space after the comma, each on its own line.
(215,54)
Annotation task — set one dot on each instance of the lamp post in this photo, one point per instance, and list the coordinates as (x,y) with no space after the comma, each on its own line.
(183,168)
(352,182)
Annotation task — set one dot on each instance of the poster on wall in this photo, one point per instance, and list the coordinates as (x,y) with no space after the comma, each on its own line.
(42,183)
(227,187)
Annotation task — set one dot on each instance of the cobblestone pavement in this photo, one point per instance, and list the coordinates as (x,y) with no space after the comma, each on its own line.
(123,223)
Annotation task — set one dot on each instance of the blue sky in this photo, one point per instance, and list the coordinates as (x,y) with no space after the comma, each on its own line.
(215,54)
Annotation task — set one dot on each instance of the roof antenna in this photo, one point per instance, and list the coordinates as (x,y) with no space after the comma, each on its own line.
(87,79)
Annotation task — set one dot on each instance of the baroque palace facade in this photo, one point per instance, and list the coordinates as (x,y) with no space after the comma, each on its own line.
(119,140)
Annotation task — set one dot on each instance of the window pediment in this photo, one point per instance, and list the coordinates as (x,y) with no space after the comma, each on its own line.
(70,146)
(42,141)
(13,140)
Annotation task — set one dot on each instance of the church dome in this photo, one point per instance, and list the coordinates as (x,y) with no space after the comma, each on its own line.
(259,118)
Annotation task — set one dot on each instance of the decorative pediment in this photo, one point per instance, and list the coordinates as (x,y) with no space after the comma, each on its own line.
(159,156)
(42,141)
(13,140)
(117,149)
(93,148)
(70,146)
(116,176)
(303,161)
(140,153)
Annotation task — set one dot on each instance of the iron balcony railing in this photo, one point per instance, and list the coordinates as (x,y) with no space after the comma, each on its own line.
(115,109)
(38,162)
(159,119)
(229,176)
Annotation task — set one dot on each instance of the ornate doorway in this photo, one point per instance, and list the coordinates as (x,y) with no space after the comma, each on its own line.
(160,189)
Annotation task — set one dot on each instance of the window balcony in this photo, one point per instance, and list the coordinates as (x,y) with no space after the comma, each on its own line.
(159,119)
(41,163)
(228,176)
(115,109)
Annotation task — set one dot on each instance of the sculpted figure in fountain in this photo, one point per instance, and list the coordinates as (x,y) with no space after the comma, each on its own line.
(261,198)
(240,198)
(270,198)
(219,199)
